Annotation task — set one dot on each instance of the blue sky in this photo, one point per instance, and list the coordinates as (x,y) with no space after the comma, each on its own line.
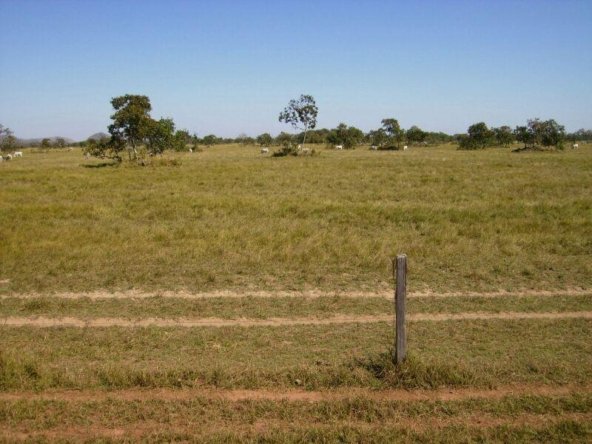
(229,67)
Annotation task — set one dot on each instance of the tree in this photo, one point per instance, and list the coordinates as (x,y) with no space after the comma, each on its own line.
(210,140)
(551,133)
(301,114)
(284,139)
(160,135)
(7,140)
(133,128)
(503,135)
(479,136)
(264,139)
(131,122)
(541,133)
(415,135)
(377,137)
(46,143)
(393,132)
(60,142)
(348,136)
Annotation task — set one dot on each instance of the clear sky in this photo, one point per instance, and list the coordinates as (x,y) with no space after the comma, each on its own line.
(229,67)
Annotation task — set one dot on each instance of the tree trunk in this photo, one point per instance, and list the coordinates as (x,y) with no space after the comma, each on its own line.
(304,139)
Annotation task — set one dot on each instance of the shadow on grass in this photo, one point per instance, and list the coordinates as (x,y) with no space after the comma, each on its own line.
(101,165)
(415,373)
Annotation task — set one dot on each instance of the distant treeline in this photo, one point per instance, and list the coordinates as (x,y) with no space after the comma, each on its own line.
(479,135)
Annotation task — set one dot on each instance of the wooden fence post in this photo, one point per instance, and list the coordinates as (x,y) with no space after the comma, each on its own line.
(400,265)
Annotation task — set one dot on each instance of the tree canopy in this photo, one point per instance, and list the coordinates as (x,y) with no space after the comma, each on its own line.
(394,133)
(301,114)
(133,129)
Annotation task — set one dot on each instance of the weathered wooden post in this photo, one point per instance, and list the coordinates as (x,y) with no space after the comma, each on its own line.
(400,271)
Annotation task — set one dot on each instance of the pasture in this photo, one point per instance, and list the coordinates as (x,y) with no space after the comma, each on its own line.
(229,296)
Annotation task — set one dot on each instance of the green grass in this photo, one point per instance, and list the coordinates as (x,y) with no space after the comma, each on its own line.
(455,353)
(208,415)
(215,420)
(261,308)
(228,218)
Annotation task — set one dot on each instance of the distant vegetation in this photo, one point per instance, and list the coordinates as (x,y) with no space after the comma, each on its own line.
(136,134)
(535,135)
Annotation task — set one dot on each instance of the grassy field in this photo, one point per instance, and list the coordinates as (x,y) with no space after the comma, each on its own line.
(229,235)
(230,218)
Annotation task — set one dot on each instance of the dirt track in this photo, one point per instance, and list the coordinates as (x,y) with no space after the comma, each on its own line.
(41,321)
(296,395)
(387,294)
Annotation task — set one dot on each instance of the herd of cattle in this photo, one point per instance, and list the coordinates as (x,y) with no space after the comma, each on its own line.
(11,156)
(263,151)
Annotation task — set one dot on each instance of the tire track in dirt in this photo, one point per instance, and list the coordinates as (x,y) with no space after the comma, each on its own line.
(236,395)
(45,322)
(387,294)
(152,429)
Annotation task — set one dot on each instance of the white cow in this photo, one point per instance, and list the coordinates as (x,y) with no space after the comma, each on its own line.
(338,147)
(8,157)
(190,150)
(17,154)
(373,147)
(574,146)
(264,150)
(405,147)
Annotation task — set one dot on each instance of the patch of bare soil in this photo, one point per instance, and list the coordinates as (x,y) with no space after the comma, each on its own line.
(167,394)
(45,322)
(388,294)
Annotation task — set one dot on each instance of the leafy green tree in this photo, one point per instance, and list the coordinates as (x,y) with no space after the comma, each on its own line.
(8,142)
(377,137)
(348,136)
(134,130)
(60,142)
(541,133)
(131,123)
(264,139)
(415,135)
(301,114)
(504,135)
(581,135)
(393,132)
(522,134)
(436,138)
(549,132)
(46,143)
(159,135)
(479,136)
(210,140)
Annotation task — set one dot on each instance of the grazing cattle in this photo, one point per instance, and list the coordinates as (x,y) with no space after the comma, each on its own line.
(373,147)
(17,154)
(405,147)
(299,147)
(306,150)
(574,146)
(264,150)
(338,147)
(8,157)
(87,156)
(190,150)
